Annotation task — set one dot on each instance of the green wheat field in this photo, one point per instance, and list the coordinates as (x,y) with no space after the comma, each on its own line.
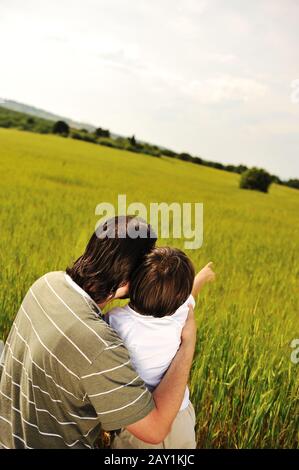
(244,387)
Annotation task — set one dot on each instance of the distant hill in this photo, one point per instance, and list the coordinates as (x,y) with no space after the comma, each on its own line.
(40,113)
(28,121)
(25,117)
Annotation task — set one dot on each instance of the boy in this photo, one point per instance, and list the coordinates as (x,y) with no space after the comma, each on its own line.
(161,290)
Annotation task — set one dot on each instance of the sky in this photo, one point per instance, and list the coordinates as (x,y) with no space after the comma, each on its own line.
(218,79)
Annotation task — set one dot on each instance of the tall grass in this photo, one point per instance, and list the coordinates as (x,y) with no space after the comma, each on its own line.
(244,386)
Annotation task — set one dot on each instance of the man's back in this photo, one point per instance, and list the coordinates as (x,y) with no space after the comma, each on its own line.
(61,370)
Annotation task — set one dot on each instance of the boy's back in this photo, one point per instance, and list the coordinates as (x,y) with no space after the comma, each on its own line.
(151,327)
(152,342)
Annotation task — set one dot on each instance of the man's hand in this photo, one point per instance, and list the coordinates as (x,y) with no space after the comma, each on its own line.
(203,277)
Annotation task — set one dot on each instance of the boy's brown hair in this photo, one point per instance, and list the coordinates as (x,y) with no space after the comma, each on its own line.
(162,283)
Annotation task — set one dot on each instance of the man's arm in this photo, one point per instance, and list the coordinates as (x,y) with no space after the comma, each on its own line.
(169,394)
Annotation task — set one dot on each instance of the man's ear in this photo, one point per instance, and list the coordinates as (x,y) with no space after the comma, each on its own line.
(122,291)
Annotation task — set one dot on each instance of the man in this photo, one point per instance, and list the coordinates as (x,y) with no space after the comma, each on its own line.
(64,374)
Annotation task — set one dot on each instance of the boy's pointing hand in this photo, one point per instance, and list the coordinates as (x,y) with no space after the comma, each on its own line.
(205,275)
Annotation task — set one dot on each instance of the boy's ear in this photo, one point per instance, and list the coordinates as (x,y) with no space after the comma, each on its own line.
(122,291)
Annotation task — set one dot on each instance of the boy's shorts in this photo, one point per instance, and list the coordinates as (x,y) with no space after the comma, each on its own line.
(181,436)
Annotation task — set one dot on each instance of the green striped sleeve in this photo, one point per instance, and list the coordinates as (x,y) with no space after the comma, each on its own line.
(115,390)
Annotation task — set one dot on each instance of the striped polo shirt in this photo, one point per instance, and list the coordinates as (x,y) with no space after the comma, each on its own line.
(65,374)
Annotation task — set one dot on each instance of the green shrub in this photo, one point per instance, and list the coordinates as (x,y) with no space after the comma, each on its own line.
(256,179)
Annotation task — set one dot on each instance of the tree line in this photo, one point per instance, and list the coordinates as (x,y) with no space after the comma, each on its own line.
(102,136)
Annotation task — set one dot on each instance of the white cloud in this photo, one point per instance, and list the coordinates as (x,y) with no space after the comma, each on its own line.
(225,89)
(224,58)
(193,7)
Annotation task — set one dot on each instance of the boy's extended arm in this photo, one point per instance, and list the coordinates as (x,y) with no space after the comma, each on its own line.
(169,394)
(205,275)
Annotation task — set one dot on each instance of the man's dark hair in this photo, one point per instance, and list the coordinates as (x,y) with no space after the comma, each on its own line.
(162,283)
(112,255)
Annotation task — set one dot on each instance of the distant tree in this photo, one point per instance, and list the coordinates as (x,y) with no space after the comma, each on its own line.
(276,179)
(80,135)
(217,165)
(28,124)
(186,157)
(256,179)
(292,183)
(61,128)
(133,141)
(230,168)
(169,153)
(241,168)
(76,135)
(100,132)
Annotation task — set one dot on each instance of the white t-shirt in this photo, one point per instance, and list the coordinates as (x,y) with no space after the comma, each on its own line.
(152,342)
